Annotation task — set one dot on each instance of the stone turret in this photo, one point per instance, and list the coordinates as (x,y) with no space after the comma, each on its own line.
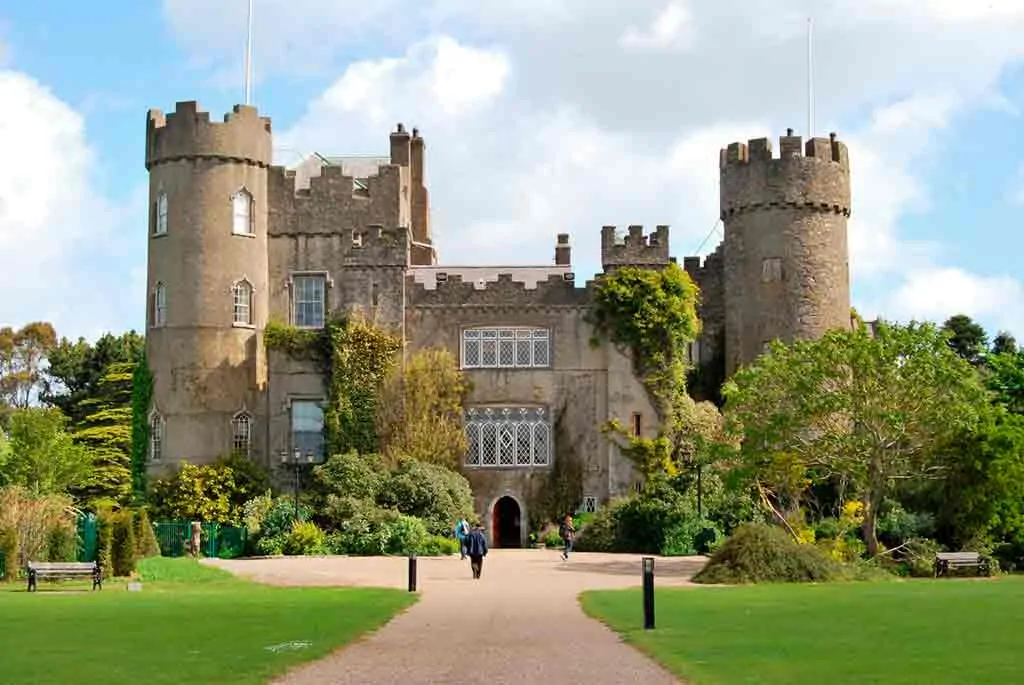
(786,256)
(207,278)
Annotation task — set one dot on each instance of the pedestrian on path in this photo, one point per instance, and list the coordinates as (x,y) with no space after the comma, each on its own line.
(568,533)
(476,549)
(461,533)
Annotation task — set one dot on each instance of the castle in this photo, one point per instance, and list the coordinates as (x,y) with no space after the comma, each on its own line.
(236,242)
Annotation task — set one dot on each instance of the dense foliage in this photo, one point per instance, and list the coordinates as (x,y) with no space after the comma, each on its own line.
(419,411)
(759,553)
(213,493)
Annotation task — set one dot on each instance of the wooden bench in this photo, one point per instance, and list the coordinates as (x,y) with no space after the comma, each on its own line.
(948,561)
(63,570)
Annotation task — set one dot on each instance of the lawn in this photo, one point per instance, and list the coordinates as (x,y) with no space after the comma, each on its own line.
(189,624)
(921,631)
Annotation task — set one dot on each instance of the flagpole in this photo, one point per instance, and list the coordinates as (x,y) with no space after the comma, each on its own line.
(810,78)
(248,60)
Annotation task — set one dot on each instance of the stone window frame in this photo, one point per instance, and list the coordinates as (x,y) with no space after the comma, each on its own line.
(319,402)
(160,214)
(588,505)
(242,205)
(241,434)
(157,435)
(291,285)
(159,305)
(248,320)
(508,436)
(508,342)
(771,270)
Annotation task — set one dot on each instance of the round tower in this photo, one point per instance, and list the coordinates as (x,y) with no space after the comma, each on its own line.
(207,283)
(787,272)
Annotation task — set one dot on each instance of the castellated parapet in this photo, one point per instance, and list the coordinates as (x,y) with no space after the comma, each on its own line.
(207,274)
(786,270)
(556,291)
(188,133)
(635,249)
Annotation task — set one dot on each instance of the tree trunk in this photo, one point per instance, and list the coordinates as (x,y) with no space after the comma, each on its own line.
(867,528)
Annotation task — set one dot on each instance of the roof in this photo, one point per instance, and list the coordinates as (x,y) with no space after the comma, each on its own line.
(480,276)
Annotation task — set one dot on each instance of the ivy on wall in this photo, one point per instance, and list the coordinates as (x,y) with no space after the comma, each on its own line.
(561,491)
(355,357)
(652,315)
(142,397)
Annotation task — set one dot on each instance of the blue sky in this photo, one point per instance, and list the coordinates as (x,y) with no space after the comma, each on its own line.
(541,116)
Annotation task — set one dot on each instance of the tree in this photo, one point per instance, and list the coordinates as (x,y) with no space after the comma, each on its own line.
(967,338)
(1005,378)
(869,409)
(106,431)
(983,493)
(43,456)
(419,410)
(22,354)
(76,369)
(1004,343)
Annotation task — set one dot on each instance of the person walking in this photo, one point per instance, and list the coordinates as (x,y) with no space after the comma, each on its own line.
(568,533)
(461,533)
(476,549)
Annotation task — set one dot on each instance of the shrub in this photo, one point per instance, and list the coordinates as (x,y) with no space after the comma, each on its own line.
(406,535)
(690,536)
(123,549)
(105,542)
(897,525)
(305,538)
(271,545)
(62,544)
(31,526)
(758,552)
(551,538)
(427,491)
(601,533)
(917,559)
(439,546)
(146,544)
(361,476)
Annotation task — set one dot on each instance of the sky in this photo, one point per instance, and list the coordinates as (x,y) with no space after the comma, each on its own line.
(540,117)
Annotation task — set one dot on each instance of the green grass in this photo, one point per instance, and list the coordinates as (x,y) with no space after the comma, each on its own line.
(935,632)
(189,624)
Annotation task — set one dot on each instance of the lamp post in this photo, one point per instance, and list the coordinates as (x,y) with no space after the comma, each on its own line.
(295,460)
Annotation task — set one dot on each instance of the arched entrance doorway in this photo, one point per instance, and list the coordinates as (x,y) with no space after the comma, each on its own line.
(506,522)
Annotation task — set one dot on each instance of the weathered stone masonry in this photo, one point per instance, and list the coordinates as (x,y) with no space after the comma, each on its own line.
(236,242)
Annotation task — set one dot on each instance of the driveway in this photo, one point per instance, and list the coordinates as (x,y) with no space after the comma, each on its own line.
(521,623)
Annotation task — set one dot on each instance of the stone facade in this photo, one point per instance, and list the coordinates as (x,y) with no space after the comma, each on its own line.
(236,243)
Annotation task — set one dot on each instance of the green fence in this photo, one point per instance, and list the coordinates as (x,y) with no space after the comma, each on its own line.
(3,567)
(226,542)
(87,537)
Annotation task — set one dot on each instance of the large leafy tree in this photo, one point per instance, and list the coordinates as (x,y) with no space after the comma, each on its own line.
(1005,378)
(870,408)
(966,337)
(23,353)
(106,431)
(77,369)
(1004,343)
(419,410)
(982,495)
(42,454)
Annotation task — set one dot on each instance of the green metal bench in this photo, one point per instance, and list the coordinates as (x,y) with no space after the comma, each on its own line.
(950,561)
(63,570)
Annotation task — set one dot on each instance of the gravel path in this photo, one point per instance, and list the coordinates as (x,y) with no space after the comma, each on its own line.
(519,624)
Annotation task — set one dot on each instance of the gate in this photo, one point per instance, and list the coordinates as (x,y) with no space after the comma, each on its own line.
(226,542)
(88,536)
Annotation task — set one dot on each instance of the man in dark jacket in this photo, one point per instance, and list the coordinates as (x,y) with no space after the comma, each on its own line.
(476,549)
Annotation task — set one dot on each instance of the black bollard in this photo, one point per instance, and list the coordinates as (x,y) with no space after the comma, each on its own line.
(412,573)
(648,577)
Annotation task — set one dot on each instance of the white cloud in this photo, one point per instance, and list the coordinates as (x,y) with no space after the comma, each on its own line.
(672,28)
(54,226)
(545,116)
(940,292)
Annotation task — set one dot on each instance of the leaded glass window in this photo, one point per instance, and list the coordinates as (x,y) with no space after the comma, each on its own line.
(508,436)
(506,348)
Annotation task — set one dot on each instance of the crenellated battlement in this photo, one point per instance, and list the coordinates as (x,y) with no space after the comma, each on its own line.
(453,291)
(814,176)
(188,134)
(635,249)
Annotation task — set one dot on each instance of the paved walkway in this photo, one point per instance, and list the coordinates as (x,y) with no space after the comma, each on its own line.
(519,624)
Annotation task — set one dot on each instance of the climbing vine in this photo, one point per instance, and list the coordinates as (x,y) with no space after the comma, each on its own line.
(355,357)
(142,397)
(652,314)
